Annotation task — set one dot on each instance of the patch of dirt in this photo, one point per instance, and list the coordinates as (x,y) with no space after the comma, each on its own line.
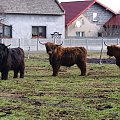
(6,110)
(103,107)
(18,94)
(10,95)
(90,95)
(34,102)
(107,91)
(97,60)
(62,115)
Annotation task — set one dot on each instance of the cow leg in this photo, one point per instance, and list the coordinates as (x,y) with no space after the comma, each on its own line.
(55,70)
(4,75)
(82,67)
(22,68)
(16,73)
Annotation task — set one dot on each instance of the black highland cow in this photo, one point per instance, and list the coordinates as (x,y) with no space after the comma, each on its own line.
(11,59)
(66,56)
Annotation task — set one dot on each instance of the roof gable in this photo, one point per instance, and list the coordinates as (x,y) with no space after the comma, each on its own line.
(31,7)
(74,9)
(115,20)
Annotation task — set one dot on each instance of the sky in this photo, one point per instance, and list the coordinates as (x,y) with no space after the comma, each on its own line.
(112,4)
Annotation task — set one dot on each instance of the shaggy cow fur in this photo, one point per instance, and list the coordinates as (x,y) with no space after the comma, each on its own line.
(11,59)
(114,50)
(66,56)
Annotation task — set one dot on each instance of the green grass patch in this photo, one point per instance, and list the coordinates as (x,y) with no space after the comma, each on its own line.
(39,96)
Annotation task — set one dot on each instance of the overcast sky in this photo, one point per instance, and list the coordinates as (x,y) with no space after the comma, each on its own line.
(112,4)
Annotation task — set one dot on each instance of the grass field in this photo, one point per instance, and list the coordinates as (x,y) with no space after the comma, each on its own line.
(39,96)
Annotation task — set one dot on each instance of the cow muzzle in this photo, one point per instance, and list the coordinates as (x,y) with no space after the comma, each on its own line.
(49,52)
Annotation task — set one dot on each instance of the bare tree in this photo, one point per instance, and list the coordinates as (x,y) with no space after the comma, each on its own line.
(112,31)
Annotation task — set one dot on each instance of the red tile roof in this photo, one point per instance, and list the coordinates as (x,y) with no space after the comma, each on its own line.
(74,9)
(115,20)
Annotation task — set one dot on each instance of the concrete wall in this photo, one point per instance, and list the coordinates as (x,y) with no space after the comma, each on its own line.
(91,44)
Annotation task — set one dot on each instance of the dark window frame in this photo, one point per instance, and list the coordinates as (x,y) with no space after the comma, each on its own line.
(38,31)
(80,34)
(4,29)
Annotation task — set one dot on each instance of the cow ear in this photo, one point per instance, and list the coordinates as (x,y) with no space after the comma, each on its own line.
(56,45)
(8,45)
(5,47)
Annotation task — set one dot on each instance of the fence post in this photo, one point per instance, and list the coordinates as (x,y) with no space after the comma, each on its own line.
(37,43)
(19,42)
(101,52)
(86,43)
(29,52)
(70,42)
(118,41)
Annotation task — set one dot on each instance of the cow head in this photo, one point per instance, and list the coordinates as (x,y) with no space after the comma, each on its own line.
(50,47)
(113,50)
(3,51)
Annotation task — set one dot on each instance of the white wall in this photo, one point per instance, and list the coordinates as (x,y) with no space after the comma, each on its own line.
(90,29)
(22,24)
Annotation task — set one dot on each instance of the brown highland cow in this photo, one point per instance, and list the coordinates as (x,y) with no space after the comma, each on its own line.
(114,50)
(66,56)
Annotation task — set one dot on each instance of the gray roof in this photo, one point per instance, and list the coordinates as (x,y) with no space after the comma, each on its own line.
(31,7)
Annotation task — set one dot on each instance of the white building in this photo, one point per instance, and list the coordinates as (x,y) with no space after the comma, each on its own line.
(24,22)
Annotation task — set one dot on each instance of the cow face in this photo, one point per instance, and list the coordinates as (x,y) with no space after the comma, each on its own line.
(110,51)
(50,47)
(118,62)
(3,51)
(113,50)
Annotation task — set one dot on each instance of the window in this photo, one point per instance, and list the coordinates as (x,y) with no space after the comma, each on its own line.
(95,17)
(99,34)
(80,34)
(6,31)
(80,22)
(39,31)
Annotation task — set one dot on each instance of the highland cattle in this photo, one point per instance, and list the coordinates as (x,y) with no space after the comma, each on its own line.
(11,59)
(66,56)
(114,50)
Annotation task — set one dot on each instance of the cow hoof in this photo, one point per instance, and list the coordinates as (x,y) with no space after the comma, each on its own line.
(14,77)
(83,75)
(54,75)
(22,77)
(4,79)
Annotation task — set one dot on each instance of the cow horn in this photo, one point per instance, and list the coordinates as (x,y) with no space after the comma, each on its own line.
(105,43)
(8,45)
(61,43)
(42,43)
